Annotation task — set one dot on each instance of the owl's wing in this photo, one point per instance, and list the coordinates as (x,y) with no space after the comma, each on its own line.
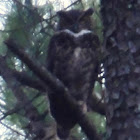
(51,54)
(56,47)
(60,109)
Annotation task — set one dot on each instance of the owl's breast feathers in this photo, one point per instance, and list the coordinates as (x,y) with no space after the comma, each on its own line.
(73,59)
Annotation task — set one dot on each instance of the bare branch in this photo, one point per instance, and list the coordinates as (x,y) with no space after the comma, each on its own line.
(29,81)
(13,130)
(26,80)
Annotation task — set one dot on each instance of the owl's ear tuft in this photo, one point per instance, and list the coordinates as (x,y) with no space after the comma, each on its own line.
(89,12)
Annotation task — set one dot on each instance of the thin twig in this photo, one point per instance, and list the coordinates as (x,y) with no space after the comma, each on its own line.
(17,108)
(13,130)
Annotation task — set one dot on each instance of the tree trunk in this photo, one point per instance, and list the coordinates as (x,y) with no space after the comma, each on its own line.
(121,19)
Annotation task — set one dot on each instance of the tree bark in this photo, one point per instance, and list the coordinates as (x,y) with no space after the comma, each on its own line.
(121,20)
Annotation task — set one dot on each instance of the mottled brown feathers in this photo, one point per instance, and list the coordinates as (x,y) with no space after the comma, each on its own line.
(75,20)
(72,58)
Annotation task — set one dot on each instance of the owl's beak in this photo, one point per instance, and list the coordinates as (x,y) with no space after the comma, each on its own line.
(75,28)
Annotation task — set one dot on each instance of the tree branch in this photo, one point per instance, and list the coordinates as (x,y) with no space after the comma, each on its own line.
(17,108)
(36,122)
(96,105)
(13,130)
(26,80)
(29,81)
(50,80)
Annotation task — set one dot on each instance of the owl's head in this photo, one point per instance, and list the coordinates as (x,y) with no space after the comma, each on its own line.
(75,20)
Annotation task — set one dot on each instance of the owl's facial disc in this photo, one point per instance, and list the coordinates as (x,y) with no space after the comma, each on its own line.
(74,20)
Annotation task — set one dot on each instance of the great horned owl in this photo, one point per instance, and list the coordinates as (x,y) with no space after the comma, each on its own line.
(72,58)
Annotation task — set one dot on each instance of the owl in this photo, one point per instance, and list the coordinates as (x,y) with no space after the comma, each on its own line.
(72,58)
